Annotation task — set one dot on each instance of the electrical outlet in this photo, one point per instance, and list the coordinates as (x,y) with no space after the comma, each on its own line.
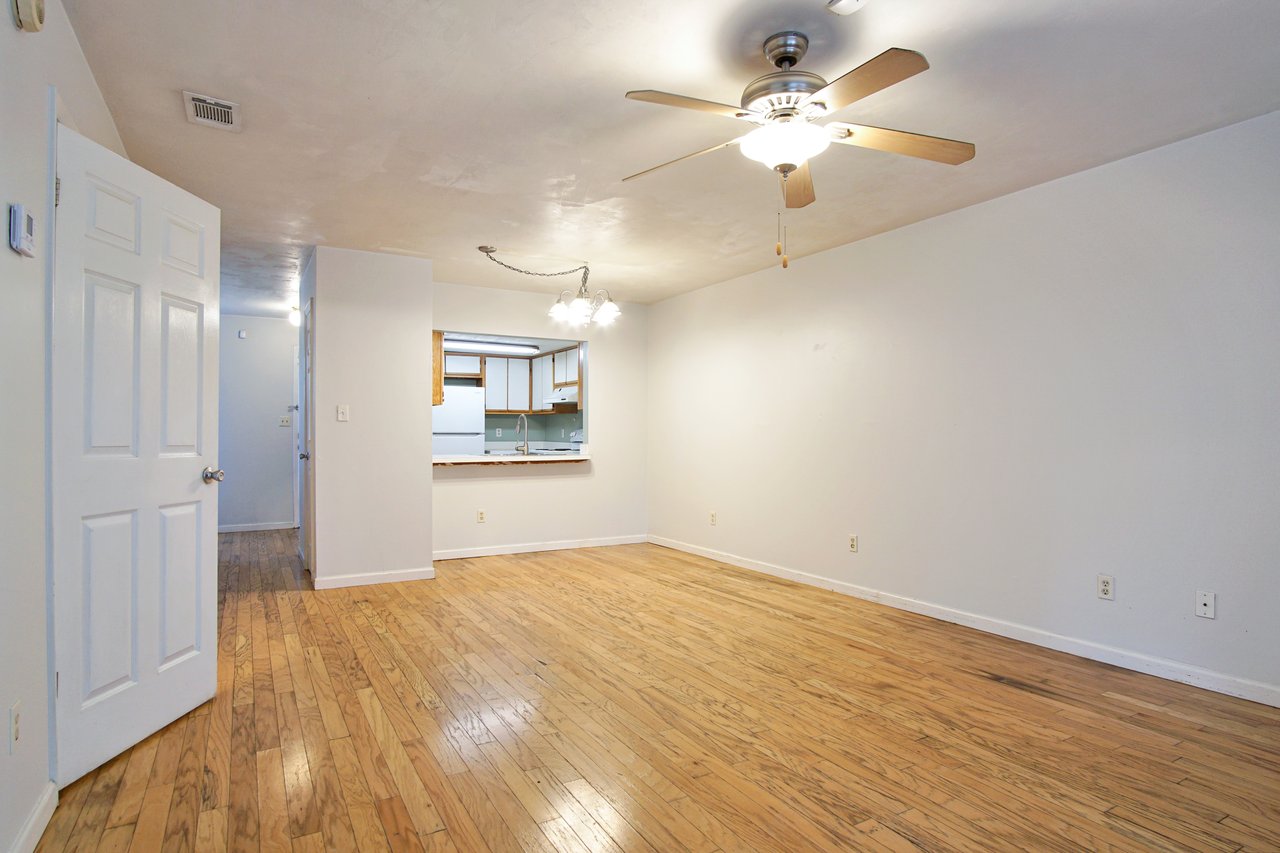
(562,433)
(853,543)
(1107,587)
(497,433)
(713,518)
(1206,604)
(15,717)
(479,516)
(286,420)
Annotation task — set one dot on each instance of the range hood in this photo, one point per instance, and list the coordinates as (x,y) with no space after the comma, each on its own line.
(560,396)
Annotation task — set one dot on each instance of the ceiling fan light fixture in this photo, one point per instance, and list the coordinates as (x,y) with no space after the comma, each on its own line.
(785,144)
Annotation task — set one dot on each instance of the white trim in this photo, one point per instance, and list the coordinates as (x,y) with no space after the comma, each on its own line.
(1256,691)
(41,812)
(250,528)
(376,577)
(527,547)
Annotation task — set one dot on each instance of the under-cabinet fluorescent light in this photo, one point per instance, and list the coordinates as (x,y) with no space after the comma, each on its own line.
(451,345)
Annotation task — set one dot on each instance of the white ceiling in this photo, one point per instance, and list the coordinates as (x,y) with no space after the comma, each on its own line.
(432,126)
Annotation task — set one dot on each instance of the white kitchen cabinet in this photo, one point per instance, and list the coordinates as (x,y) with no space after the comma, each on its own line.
(495,384)
(566,366)
(543,378)
(518,385)
(461,365)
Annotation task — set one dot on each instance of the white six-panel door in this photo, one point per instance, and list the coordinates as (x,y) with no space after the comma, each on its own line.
(134,422)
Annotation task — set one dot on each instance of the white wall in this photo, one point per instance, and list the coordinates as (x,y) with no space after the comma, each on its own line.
(536,507)
(373,353)
(33,64)
(1004,402)
(255,390)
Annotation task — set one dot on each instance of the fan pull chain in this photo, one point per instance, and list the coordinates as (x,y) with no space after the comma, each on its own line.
(777,249)
(785,260)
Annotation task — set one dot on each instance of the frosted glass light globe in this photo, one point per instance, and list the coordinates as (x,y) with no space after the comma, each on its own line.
(787,143)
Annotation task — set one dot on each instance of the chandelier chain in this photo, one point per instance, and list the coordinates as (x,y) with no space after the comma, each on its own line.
(584,269)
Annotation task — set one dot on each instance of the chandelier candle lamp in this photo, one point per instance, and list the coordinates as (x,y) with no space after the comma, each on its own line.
(578,309)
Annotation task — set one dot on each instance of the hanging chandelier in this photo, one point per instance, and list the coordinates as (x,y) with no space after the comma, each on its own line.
(578,309)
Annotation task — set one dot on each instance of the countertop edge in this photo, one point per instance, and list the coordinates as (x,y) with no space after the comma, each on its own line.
(454,461)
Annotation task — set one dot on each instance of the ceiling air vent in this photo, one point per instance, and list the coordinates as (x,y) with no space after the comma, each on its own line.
(201,109)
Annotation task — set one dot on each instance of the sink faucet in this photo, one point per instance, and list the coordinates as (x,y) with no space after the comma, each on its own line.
(523,421)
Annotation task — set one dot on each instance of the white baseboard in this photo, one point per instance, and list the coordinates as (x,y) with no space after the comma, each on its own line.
(396,576)
(251,528)
(528,547)
(29,835)
(1256,691)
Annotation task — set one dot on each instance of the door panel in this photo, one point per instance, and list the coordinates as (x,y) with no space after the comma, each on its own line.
(110,625)
(111,366)
(181,574)
(134,409)
(181,359)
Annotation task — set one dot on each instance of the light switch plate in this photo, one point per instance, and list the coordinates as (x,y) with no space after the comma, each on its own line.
(344,412)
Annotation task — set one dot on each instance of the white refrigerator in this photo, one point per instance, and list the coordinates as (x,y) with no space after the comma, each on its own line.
(457,425)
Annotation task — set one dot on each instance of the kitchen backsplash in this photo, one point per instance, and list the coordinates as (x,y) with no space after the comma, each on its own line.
(554,428)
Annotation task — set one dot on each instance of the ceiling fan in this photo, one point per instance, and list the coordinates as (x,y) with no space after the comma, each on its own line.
(786,104)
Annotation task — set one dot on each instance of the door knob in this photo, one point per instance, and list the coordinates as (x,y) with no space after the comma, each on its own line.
(304,455)
(209,475)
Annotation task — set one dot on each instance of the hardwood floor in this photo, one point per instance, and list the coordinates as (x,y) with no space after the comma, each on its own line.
(638,698)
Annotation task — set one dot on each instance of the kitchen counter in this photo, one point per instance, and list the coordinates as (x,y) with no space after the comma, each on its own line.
(510,459)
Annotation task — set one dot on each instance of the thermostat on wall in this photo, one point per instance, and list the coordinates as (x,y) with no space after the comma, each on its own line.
(22,231)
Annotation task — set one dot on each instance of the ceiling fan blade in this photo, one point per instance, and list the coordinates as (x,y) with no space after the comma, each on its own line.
(685,157)
(797,187)
(892,66)
(901,142)
(667,99)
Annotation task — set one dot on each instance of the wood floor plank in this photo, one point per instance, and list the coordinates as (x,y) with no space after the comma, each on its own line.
(273,808)
(133,785)
(184,809)
(148,832)
(637,698)
(398,825)
(211,831)
(242,807)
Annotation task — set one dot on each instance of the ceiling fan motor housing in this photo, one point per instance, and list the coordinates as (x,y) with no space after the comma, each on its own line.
(781,93)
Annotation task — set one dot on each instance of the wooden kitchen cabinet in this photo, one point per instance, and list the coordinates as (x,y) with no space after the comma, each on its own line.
(437,368)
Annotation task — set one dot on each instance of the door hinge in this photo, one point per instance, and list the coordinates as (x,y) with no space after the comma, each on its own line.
(57,684)
(57,191)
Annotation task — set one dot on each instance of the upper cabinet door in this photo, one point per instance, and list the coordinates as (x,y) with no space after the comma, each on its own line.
(518,385)
(560,367)
(495,384)
(571,365)
(543,377)
(461,365)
